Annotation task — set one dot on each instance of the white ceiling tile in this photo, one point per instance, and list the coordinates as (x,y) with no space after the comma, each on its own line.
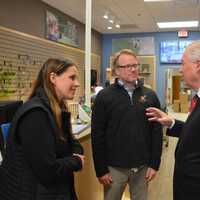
(131,12)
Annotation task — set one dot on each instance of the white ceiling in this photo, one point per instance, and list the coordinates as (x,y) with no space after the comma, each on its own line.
(133,15)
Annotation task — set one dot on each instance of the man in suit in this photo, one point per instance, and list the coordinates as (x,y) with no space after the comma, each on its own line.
(186,182)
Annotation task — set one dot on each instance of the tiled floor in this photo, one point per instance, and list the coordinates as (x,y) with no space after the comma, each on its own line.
(161,187)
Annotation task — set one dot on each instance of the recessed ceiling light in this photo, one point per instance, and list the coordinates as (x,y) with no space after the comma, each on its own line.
(105,16)
(109,27)
(117,26)
(183,24)
(111,21)
(156,0)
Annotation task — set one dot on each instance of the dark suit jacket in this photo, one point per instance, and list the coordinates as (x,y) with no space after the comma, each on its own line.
(187,156)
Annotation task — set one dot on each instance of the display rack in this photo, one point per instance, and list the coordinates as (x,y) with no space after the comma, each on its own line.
(21,57)
(148,70)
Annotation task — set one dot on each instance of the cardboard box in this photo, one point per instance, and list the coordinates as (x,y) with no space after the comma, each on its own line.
(176,106)
(183,98)
(184,107)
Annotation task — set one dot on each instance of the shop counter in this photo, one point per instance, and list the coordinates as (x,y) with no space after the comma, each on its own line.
(86,183)
(81,130)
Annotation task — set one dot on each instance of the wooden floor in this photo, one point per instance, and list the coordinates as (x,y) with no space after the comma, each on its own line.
(161,186)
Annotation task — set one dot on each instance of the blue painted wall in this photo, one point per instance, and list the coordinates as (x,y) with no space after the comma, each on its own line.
(161,68)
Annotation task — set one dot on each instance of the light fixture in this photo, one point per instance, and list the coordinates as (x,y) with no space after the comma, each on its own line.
(111,19)
(182,24)
(117,26)
(105,16)
(156,0)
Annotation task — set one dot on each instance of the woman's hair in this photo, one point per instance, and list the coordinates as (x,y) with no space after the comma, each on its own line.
(43,80)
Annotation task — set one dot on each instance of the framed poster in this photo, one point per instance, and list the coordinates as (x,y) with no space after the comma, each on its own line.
(60,30)
(140,45)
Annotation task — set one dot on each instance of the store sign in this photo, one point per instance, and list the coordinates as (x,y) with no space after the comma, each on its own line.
(183,33)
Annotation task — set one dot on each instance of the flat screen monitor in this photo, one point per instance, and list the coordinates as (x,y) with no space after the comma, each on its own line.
(172,51)
(8,109)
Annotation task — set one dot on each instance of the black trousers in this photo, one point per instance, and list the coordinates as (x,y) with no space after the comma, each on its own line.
(2,149)
(185,187)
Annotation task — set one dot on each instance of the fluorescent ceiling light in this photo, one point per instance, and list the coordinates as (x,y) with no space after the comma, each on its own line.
(156,0)
(183,24)
(109,27)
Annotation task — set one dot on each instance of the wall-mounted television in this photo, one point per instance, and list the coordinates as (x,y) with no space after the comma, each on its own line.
(172,51)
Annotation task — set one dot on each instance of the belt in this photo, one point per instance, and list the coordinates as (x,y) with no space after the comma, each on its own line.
(136,169)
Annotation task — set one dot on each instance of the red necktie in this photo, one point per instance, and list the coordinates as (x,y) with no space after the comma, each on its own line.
(193,103)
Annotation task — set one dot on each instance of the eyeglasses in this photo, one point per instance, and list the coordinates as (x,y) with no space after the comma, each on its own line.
(129,66)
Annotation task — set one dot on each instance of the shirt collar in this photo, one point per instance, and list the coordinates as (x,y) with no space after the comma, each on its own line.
(121,83)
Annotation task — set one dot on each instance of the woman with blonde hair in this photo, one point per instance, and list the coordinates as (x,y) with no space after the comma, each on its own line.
(41,152)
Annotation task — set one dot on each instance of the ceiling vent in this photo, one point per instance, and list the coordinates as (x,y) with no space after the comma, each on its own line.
(128,26)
